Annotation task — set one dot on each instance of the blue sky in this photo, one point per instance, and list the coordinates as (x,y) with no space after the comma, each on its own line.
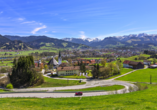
(78,18)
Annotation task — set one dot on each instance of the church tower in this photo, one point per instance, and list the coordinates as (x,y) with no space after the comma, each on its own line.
(59,58)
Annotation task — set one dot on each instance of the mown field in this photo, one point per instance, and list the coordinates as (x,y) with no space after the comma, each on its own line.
(99,88)
(49,82)
(140,100)
(142,75)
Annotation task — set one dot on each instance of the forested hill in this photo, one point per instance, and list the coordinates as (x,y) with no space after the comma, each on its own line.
(36,42)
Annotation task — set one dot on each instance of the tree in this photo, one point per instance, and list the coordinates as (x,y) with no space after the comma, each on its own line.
(23,74)
(98,70)
(119,65)
(70,62)
(105,72)
(45,67)
(111,67)
(103,62)
(154,60)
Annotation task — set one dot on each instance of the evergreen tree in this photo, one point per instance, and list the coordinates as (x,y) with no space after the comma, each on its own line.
(23,73)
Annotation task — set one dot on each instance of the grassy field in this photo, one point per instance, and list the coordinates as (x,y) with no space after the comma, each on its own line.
(132,58)
(99,88)
(92,58)
(141,76)
(123,71)
(140,100)
(75,77)
(49,82)
(6,63)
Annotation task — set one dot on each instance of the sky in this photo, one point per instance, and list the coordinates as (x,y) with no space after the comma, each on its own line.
(78,18)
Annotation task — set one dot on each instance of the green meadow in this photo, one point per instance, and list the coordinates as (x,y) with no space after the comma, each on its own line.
(50,82)
(140,100)
(142,75)
(123,71)
(99,88)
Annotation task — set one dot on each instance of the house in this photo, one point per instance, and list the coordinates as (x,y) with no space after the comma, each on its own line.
(126,64)
(132,64)
(38,63)
(65,71)
(153,66)
(146,62)
(136,65)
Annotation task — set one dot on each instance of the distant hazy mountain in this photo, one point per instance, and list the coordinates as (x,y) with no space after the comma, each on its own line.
(132,40)
(86,41)
(43,42)
(24,39)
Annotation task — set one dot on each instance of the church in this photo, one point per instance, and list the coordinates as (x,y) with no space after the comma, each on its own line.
(53,61)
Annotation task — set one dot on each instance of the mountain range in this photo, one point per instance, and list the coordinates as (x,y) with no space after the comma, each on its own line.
(142,40)
(35,42)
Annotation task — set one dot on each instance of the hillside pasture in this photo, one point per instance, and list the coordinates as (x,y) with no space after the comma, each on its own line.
(142,75)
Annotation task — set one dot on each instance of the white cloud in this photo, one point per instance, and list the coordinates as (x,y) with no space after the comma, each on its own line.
(28,22)
(1,12)
(82,35)
(20,19)
(37,29)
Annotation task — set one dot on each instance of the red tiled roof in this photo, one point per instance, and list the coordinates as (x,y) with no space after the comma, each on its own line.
(126,62)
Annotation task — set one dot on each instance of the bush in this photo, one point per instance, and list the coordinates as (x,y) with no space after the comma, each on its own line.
(61,76)
(9,86)
(3,70)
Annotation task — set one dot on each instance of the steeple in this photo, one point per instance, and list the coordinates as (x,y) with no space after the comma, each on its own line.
(59,54)
(59,58)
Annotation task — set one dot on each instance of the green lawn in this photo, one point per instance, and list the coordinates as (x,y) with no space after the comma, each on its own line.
(140,100)
(123,71)
(92,58)
(49,82)
(75,77)
(1,91)
(141,76)
(132,58)
(99,88)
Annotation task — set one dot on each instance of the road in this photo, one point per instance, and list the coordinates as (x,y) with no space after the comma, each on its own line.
(89,83)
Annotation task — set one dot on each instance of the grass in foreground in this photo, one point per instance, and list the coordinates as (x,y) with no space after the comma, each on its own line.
(50,82)
(142,75)
(140,100)
(99,88)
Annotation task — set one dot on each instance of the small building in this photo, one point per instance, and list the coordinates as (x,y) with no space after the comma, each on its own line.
(153,66)
(38,63)
(147,62)
(126,64)
(65,71)
(132,64)
(136,65)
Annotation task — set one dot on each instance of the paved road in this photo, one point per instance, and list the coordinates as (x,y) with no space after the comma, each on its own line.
(89,83)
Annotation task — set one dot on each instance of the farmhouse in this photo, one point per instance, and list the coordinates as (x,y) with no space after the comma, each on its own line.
(132,64)
(126,64)
(65,71)
(136,65)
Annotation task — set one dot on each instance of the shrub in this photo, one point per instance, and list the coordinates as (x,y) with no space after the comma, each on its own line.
(61,76)
(3,70)
(9,86)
